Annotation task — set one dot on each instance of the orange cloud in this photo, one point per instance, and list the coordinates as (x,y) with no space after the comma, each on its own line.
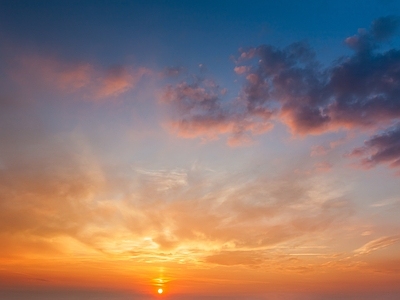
(118,80)
(230,258)
(212,129)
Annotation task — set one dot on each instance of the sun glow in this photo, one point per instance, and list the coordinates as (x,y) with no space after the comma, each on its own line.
(160,291)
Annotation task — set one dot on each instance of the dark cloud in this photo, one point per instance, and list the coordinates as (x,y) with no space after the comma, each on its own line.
(360,91)
(381,148)
(286,82)
(367,40)
(357,91)
(384,27)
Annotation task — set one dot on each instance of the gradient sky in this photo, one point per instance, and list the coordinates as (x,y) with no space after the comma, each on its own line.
(215,149)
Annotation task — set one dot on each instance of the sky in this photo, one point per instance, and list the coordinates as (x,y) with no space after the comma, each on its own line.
(211,149)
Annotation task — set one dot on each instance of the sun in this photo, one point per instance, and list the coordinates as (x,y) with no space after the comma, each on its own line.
(160,291)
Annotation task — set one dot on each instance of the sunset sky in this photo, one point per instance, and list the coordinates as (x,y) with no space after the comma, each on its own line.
(245,150)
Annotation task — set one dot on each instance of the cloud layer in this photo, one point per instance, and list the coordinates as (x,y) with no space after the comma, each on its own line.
(71,203)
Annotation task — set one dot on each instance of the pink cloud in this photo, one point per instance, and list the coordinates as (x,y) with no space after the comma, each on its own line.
(247,54)
(119,80)
(200,113)
(239,133)
(241,69)
(323,167)
(93,82)
(318,150)
(53,72)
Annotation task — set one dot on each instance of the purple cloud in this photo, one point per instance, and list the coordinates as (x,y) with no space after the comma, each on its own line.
(384,27)
(201,112)
(360,91)
(381,148)
(357,91)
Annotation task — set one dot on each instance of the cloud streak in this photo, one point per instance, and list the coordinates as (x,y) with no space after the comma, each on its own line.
(71,204)
(377,244)
(93,82)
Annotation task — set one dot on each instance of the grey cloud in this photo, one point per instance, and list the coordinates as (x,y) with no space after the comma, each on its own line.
(381,148)
(384,27)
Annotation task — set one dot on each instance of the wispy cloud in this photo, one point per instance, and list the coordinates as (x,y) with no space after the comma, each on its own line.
(52,72)
(377,244)
(230,258)
(319,150)
(323,166)
(91,81)
(118,80)
(71,203)
(386,202)
(165,179)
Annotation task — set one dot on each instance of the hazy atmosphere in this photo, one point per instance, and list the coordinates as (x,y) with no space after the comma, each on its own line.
(245,150)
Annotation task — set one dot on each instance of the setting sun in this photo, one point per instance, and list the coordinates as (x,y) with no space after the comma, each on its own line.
(160,291)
